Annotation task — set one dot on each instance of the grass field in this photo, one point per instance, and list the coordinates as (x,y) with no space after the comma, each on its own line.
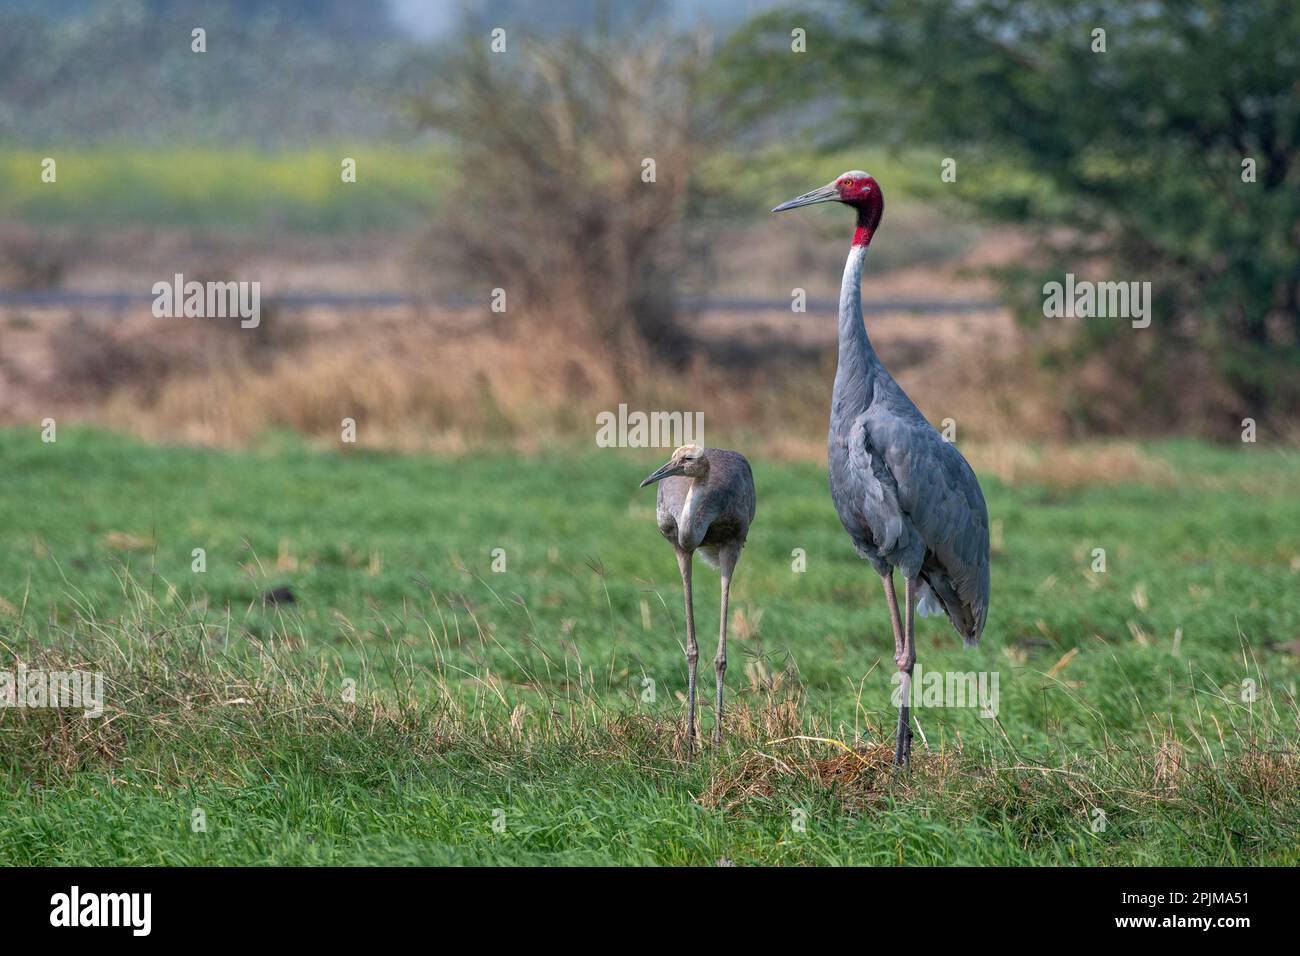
(522,697)
(116,185)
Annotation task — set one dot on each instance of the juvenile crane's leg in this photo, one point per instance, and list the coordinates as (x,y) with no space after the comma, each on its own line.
(905,660)
(727,558)
(692,650)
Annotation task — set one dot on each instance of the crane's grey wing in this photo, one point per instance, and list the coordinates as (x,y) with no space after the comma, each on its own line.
(732,481)
(943,507)
(875,501)
(745,496)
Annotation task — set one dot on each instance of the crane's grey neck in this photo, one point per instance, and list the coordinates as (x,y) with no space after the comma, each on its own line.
(857,359)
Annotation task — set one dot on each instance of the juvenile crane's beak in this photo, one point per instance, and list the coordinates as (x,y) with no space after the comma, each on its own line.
(824,194)
(672,468)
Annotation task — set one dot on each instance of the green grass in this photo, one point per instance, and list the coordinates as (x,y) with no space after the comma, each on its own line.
(241,188)
(521,691)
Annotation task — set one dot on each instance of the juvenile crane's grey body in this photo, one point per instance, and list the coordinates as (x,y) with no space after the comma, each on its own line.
(705,504)
(907,497)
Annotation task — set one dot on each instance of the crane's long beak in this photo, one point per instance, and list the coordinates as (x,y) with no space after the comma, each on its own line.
(672,468)
(824,194)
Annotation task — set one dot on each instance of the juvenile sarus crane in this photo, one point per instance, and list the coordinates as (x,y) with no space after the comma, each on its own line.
(705,503)
(907,498)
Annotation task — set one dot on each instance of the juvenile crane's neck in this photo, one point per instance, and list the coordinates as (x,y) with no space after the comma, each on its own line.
(854,376)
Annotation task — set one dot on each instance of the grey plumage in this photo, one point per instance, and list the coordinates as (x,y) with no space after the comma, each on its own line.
(704,505)
(907,497)
(721,505)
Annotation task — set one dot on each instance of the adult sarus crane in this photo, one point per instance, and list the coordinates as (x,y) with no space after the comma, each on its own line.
(705,503)
(907,497)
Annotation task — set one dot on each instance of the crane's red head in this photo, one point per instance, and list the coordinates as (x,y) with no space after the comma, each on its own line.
(854,188)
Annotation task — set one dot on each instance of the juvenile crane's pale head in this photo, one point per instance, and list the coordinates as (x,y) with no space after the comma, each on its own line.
(854,188)
(687,460)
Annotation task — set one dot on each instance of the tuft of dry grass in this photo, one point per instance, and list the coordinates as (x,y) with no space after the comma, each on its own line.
(855,775)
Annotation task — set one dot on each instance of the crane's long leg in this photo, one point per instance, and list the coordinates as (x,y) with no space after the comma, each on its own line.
(727,558)
(892,600)
(905,661)
(692,650)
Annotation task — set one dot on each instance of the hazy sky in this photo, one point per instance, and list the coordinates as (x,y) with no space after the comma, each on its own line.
(429,19)
(425,18)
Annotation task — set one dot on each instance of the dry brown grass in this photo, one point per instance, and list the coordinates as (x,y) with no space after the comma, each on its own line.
(436,383)
(1061,465)
(856,775)
(427,384)
(410,388)
(450,382)
(439,381)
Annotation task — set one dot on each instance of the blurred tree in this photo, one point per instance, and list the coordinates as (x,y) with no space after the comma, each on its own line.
(1138,151)
(578,158)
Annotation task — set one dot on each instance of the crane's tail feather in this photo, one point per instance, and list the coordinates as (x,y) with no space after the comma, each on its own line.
(928,602)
